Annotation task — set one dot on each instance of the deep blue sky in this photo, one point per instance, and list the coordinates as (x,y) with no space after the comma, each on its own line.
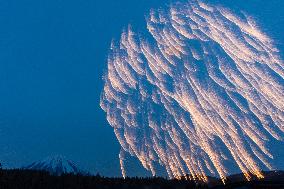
(52,57)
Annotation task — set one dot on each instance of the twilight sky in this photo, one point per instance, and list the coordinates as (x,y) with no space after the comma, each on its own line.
(52,57)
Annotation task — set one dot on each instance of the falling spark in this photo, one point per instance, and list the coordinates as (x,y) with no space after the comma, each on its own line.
(206,88)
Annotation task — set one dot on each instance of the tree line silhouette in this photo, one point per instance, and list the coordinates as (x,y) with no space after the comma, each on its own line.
(31,179)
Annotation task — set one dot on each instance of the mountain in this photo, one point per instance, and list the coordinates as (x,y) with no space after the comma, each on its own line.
(56,165)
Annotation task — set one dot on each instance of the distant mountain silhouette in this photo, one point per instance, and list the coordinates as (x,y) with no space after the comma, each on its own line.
(56,165)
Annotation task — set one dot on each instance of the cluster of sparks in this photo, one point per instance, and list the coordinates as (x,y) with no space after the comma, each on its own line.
(205,87)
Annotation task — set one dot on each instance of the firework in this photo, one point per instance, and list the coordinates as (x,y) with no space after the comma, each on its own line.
(204,87)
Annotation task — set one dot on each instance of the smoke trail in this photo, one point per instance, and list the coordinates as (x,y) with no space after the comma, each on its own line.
(205,88)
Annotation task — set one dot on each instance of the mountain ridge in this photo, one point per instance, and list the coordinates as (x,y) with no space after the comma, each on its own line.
(56,165)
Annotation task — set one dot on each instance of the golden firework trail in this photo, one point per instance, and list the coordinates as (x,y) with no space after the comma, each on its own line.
(204,88)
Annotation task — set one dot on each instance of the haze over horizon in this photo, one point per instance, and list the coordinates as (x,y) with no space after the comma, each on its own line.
(52,60)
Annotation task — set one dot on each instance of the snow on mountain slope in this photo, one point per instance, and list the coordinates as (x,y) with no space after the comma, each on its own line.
(56,165)
(203,93)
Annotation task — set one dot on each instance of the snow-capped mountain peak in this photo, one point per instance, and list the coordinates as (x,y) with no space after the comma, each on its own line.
(56,165)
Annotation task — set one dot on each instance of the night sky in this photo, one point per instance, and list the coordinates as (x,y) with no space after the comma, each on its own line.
(52,59)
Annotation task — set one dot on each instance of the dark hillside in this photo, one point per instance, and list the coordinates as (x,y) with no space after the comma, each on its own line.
(28,179)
